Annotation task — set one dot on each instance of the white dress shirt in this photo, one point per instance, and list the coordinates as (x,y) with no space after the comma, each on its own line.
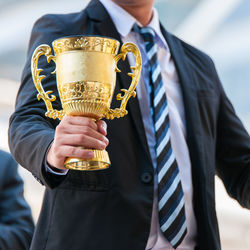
(124,23)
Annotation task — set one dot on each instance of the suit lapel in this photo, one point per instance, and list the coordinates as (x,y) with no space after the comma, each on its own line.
(193,122)
(195,138)
(103,25)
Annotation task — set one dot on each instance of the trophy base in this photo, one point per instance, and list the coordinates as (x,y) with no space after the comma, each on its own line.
(100,161)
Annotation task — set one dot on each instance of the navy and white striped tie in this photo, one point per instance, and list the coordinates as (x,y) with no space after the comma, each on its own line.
(171,208)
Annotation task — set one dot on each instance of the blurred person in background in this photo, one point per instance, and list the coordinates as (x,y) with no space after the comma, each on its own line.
(16,223)
(158,193)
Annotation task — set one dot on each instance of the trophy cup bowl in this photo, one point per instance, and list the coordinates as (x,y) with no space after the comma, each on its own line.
(86,69)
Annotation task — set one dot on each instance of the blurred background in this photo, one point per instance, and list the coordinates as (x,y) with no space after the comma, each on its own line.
(221,28)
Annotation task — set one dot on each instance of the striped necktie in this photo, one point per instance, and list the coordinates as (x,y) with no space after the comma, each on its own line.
(171,208)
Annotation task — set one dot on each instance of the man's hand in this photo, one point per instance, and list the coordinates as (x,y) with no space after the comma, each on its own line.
(76,131)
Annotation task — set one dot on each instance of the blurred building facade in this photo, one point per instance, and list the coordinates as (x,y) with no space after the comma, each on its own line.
(221,28)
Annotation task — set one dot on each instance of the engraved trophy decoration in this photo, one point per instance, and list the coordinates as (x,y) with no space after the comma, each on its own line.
(86,69)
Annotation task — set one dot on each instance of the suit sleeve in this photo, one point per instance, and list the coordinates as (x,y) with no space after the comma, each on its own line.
(233,152)
(30,132)
(16,224)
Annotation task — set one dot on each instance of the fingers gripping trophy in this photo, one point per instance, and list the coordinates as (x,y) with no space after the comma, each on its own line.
(85,71)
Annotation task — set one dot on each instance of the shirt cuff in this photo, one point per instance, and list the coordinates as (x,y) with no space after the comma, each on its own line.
(55,170)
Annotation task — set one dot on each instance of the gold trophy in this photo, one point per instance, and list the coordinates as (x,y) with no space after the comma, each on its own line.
(86,69)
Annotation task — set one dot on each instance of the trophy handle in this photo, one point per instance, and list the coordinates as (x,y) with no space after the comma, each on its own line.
(44,49)
(125,49)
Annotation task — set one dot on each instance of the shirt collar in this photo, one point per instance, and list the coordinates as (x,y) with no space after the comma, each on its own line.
(124,21)
(155,25)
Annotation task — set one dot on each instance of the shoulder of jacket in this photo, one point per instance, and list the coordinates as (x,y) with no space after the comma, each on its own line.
(5,155)
(195,54)
(65,18)
(7,161)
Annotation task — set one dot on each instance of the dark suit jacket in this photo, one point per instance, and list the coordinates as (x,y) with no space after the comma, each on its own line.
(111,209)
(16,224)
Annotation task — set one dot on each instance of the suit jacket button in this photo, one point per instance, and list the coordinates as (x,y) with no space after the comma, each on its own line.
(146,177)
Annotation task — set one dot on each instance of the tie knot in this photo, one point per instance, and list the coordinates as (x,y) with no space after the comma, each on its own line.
(147,33)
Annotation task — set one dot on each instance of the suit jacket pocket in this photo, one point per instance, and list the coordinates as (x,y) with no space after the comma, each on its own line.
(208,103)
(87,180)
(203,93)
